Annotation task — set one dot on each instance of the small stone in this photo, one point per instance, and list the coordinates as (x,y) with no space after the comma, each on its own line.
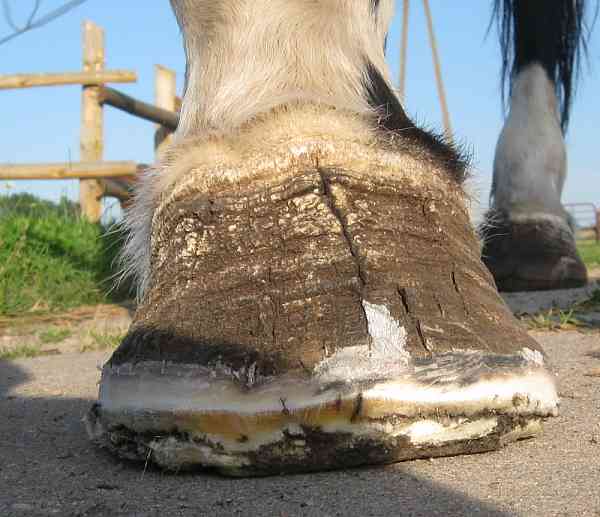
(107,486)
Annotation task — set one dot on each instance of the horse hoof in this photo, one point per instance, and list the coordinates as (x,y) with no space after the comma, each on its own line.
(531,253)
(319,307)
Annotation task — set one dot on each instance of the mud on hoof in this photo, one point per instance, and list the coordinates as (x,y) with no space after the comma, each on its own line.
(531,252)
(317,305)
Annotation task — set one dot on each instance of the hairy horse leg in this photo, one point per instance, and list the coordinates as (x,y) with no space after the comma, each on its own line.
(311,290)
(529,242)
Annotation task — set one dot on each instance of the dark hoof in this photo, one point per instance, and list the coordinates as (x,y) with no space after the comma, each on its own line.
(319,307)
(531,254)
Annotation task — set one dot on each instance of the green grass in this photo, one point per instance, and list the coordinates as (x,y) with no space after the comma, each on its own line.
(102,341)
(54,335)
(20,352)
(590,252)
(553,319)
(51,259)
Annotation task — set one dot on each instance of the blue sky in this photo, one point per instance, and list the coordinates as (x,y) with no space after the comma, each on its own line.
(42,124)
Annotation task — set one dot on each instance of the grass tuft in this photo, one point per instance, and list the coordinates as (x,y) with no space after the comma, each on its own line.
(589,250)
(51,259)
(102,341)
(21,352)
(54,335)
(554,319)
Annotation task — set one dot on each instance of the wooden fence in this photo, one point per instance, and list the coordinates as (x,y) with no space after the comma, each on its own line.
(98,178)
(587,219)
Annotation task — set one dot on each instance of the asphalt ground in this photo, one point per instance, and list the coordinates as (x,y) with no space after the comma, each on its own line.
(48,466)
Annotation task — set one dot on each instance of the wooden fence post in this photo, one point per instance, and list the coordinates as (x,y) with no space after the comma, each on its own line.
(165,97)
(403,49)
(437,67)
(91,143)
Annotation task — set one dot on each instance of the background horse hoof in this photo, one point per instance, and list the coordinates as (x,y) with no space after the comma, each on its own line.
(532,253)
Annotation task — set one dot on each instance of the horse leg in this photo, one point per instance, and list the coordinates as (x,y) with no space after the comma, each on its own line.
(311,292)
(529,243)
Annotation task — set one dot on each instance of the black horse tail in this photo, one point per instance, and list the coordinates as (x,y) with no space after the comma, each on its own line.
(552,33)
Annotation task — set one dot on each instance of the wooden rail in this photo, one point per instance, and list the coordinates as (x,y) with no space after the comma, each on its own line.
(85,78)
(98,178)
(119,100)
(77,170)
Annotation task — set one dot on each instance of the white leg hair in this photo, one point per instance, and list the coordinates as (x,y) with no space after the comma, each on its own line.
(530,162)
(245,57)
